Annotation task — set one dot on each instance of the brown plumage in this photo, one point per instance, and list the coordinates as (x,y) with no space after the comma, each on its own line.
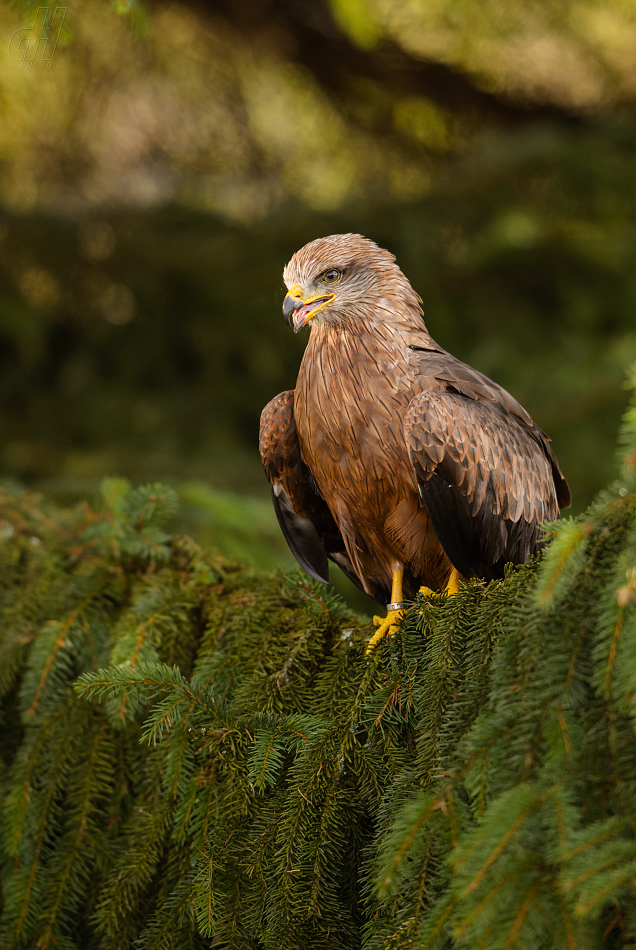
(391,454)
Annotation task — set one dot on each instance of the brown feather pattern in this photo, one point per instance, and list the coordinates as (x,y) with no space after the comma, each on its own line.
(392,452)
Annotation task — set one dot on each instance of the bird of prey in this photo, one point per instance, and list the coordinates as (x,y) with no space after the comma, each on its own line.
(407,468)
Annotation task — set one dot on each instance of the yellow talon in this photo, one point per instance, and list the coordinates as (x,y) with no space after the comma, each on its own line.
(452,586)
(386,628)
(388,625)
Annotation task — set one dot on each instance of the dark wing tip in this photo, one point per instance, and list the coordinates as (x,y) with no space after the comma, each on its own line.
(301,536)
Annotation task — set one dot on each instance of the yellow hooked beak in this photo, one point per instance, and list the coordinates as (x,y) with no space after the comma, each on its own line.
(298,312)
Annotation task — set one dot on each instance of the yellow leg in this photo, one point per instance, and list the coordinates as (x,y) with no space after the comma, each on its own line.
(452,586)
(388,625)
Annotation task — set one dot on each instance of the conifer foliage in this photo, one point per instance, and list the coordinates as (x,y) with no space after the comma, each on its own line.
(198,754)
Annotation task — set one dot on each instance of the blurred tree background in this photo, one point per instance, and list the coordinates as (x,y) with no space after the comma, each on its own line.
(155,179)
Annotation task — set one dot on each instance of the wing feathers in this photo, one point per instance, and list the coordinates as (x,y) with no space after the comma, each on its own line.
(301,536)
(485,476)
(302,514)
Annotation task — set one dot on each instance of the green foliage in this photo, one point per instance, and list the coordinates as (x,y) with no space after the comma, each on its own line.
(198,754)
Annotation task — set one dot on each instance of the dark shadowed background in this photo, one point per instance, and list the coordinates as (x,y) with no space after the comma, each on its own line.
(159,165)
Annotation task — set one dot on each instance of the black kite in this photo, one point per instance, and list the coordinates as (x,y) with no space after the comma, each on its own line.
(398,462)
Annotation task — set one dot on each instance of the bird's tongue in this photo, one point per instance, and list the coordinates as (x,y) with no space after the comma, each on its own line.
(302,315)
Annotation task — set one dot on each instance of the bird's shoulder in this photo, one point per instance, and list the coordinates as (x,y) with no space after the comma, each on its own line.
(437,370)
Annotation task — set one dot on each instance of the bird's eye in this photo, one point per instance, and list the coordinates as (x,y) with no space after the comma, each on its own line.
(331,276)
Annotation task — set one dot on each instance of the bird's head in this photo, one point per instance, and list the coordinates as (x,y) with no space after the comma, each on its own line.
(333,279)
